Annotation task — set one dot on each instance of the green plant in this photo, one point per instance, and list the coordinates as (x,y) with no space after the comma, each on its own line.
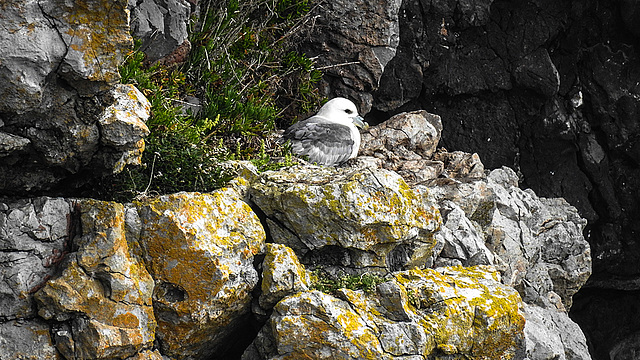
(250,82)
(366,282)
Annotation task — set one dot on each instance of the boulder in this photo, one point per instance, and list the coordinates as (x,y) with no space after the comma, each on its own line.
(123,129)
(463,312)
(405,143)
(348,219)
(550,334)
(101,303)
(352,42)
(282,275)
(200,250)
(536,243)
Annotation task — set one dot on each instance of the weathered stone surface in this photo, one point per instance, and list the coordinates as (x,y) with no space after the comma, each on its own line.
(147,355)
(550,334)
(453,311)
(200,249)
(536,71)
(11,143)
(282,275)
(26,340)
(34,236)
(351,220)
(526,230)
(96,37)
(459,164)
(537,243)
(405,143)
(54,88)
(25,68)
(161,25)
(463,240)
(102,299)
(508,80)
(122,126)
(353,42)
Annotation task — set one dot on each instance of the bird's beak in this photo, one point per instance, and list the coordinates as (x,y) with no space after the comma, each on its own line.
(359,122)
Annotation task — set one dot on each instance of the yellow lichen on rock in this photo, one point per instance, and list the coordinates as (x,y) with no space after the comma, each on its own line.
(368,212)
(453,312)
(97,36)
(467,310)
(103,289)
(282,275)
(199,249)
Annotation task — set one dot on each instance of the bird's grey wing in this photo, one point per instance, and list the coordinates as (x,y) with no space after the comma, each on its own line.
(323,142)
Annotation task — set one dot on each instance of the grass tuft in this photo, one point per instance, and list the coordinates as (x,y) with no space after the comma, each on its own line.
(249,82)
(366,282)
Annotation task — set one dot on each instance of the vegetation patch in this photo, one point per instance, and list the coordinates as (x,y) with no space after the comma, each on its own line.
(249,82)
(325,283)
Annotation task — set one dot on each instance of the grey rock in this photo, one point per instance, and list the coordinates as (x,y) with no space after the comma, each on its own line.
(282,275)
(349,219)
(353,42)
(34,236)
(216,237)
(536,71)
(550,334)
(26,340)
(123,128)
(53,90)
(100,304)
(415,315)
(161,25)
(25,68)
(10,143)
(463,241)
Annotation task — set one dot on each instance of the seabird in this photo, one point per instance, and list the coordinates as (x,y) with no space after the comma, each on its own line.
(330,137)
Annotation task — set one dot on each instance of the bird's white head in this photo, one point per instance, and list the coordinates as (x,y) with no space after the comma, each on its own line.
(342,111)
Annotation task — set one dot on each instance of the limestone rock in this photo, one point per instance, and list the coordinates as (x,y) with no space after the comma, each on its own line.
(200,250)
(147,355)
(405,143)
(459,164)
(11,143)
(34,235)
(462,238)
(453,311)
(96,37)
(527,230)
(550,334)
(161,25)
(25,68)
(102,301)
(26,340)
(282,275)
(55,88)
(350,220)
(123,127)
(537,243)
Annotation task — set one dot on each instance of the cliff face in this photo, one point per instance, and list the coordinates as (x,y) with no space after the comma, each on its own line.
(468,264)
(62,115)
(548,88)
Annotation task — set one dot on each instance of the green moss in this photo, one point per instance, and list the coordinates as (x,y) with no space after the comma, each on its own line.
(325,283)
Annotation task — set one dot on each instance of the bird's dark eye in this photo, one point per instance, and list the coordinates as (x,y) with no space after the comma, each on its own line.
(348,111)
